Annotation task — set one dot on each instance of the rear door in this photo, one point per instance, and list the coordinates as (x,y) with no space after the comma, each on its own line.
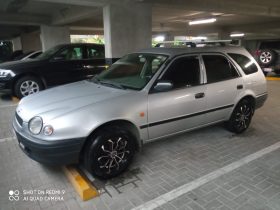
(224,82)
(95,60)
(180,108)
(66,66)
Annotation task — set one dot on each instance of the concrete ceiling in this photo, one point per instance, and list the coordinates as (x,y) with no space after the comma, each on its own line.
(256,18)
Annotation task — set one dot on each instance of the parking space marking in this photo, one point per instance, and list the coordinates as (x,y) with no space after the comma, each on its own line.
(7,139)
(273,78)
(173,194)
(6,106)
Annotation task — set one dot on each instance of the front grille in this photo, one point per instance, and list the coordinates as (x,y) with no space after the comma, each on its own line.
(20,121)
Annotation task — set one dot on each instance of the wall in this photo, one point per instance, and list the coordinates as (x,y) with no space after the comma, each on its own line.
(31,41)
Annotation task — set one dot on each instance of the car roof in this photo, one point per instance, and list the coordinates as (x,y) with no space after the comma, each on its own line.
(185,50)
(81,44)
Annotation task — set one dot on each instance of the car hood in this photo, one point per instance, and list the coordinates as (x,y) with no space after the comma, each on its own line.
(58,101)
(13,65)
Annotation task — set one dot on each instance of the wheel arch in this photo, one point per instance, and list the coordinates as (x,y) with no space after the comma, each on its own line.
(17,77)
(249,97)
(126,123)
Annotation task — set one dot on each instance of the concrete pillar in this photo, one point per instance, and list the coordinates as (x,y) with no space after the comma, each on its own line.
(16,43)
(54,35)
(31,41)
(127,28)
(222,34)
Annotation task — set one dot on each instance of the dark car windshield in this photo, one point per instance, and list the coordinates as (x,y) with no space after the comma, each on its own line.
(49,53)
(133,71)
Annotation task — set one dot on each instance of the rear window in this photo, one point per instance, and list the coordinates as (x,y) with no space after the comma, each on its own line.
(218,68)
(247,65)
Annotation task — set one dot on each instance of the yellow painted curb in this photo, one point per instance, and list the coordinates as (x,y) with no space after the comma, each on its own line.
(82,186)
(273,78)
(15,99)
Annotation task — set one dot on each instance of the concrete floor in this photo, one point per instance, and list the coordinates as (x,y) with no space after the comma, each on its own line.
(162,166)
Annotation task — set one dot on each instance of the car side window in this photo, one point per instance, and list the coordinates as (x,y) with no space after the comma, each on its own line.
(218,68)
(270,45)
(246,64)
(95,52)
(72,53)
(183,72)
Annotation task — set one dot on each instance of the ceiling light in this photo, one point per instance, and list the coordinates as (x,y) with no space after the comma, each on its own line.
(237,35)
(159,38)
(199,38)
(195,22)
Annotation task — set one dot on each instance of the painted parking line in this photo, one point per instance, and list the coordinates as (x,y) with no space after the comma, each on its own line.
(165,198)
(7,139)
(10,105)
(273,78)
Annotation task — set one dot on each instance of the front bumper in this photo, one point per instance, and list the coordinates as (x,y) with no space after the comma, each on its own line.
(58,152)
(5,84)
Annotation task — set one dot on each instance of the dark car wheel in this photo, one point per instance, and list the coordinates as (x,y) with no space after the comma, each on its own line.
(109,152)
(27,85)
(267,57)
(241,116)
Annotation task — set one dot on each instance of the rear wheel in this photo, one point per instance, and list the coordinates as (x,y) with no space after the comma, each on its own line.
(267,57)
(27,85)
(109,152)
(241,116)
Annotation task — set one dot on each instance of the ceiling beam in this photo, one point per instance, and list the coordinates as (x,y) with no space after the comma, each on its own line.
(224,6)
(89,3)
(255,28)
(23,19)
(70,15)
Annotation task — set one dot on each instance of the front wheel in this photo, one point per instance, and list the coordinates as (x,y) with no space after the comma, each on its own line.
(27,85)
(109,152)
(241,116)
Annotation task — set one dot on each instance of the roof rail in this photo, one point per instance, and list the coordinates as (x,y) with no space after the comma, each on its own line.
(200,43)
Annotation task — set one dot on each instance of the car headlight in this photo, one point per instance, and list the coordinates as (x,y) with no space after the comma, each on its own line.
(35,125)
(48,130)
(5,73)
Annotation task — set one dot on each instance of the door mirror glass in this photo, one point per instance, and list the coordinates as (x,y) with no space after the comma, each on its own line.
(163,85)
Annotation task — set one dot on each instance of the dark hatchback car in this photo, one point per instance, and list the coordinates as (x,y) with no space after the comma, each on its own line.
(59,65)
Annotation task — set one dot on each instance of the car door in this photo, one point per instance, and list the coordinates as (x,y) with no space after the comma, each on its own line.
(95,60)
(223,84)
(66,66)
(180,108)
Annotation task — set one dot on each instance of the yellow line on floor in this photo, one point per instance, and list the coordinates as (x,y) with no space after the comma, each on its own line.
(15,99)
(82,186)
(273,78)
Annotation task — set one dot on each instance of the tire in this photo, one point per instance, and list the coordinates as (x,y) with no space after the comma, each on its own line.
(241,116)
(109,152)
(267,57)
(277,71)
(265,73)
(27,85)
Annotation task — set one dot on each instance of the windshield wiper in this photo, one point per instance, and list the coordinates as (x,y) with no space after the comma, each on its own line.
(95,80)
(111,84)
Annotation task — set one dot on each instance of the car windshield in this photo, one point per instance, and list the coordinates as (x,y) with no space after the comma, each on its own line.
(49,53)
(133,71)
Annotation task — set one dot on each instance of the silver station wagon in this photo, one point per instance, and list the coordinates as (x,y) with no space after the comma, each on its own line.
(144,96)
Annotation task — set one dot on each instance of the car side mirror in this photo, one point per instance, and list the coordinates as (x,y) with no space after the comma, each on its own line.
(163,85)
